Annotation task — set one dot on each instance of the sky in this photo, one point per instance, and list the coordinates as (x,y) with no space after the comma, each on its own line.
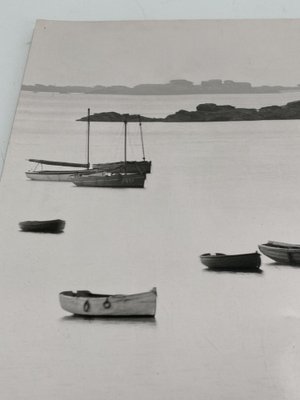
(262,52)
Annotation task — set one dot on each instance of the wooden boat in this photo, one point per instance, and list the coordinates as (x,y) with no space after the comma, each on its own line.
(54,175)
(86,303)
(220,261)
(283,253)
(60,175)
(118,180)
(112,180)
(50,226)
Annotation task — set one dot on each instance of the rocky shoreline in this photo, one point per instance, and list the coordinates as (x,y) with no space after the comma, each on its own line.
(209,112)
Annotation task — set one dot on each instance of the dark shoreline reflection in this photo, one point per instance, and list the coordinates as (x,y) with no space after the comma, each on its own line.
(235,270)
(111,320)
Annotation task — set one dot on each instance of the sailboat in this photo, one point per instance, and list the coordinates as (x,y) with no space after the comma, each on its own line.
(111,179)
(131,166)
(60,175)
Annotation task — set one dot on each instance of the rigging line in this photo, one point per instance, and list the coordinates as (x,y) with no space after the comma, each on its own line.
(88,140)
(142,139)
(131,144)
(118,144)
(113,143)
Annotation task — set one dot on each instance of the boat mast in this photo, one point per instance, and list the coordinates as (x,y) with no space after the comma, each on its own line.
(141,132)
(88,140)
(125,145)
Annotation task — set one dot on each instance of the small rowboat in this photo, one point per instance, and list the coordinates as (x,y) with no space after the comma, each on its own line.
(86,303)
(221,261)
(50,226)
(283,253)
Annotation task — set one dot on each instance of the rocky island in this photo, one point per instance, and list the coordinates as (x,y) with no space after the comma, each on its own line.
(209,112)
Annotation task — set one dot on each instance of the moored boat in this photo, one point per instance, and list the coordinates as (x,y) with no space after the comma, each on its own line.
(249,261)
(118,180)
(54,175)
(83,169)
(283,253)
(112,179)
(48,226)
(83,302)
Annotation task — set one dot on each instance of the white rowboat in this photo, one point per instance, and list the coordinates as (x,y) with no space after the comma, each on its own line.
(86,303)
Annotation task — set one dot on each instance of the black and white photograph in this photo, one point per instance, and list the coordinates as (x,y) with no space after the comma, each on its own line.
(149,212)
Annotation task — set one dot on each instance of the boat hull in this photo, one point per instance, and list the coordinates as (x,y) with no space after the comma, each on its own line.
(53,176)
(282,253)
(137,167)
(88,304)
(143,167)
(50,226)
(112,181)
(248,261)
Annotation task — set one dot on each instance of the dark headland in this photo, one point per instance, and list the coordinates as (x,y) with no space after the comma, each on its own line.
(209,112)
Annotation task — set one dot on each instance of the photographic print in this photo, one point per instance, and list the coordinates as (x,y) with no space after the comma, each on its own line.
(149,209)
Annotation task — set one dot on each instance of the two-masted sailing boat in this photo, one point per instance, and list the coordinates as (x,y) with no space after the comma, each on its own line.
(60,175)
(119,178)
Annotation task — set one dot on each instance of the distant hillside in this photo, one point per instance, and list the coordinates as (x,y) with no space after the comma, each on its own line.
(174,87)
(209,112)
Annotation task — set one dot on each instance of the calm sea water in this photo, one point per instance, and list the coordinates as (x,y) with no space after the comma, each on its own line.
(222,187)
